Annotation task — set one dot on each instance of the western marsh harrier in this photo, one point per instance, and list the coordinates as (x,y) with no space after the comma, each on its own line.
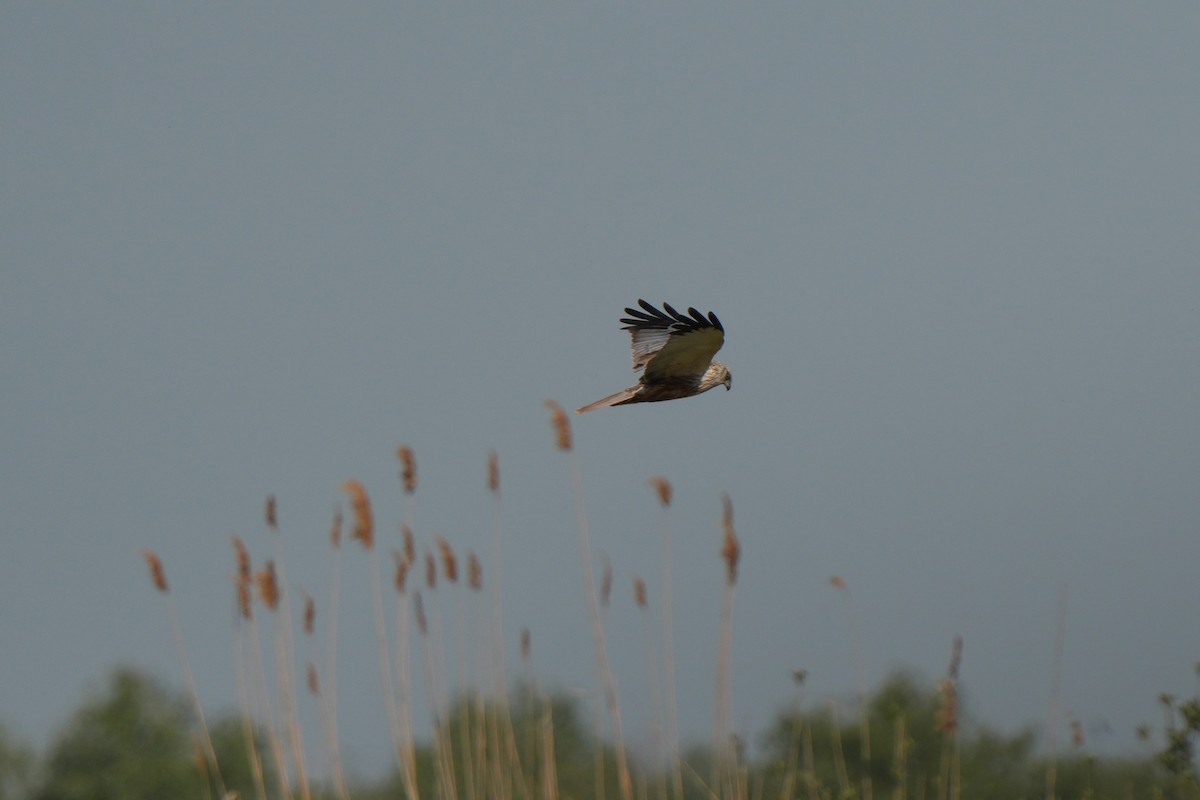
(676,353)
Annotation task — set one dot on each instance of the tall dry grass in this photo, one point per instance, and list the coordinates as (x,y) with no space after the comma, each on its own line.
(440,603)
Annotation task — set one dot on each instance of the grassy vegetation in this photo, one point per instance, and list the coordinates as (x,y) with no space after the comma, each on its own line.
(490,742)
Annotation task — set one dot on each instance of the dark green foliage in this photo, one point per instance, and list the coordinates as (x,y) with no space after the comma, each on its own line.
(16,764)
(1178,757)
(534,714)
(988,764)
(132,742)
(136,740)
(535,720)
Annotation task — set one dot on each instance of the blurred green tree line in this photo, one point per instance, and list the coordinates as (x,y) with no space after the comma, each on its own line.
(137,739)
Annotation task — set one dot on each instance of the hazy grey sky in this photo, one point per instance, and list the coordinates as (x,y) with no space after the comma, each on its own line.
(251,250)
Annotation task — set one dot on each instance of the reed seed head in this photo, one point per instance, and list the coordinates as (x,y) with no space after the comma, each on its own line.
(408,468)
(562,426)
(243,557)
(799,676)
(639,592)
(836,582)
(474,572)
(449,560)
(731,550)
(526,644)
(430,572)
(269,513)
(493,472)
(360,504)
(419,612)
(310,616)
(410,543)
(268,586)
(314,686)
(663,487)
(401,570)
(156,571)
(243,579)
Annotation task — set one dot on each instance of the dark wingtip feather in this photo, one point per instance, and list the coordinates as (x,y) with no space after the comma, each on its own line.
(668,318)
(650,316)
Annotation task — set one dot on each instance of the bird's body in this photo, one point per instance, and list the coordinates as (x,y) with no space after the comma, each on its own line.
(675,350)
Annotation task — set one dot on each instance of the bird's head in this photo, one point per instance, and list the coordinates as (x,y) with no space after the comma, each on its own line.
(716,375)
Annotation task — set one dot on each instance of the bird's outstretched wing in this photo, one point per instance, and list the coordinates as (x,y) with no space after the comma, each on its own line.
(671,344)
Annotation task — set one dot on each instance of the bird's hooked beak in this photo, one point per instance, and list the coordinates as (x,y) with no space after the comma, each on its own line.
(728,381)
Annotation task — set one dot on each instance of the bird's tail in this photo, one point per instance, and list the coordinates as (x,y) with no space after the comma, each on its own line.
(623,396)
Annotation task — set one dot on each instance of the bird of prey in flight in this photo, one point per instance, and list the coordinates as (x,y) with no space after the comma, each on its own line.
(676,353)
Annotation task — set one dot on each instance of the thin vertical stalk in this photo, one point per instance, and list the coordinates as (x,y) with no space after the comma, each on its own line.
(1060,634)
(663,487)
(160,583)
(607,682)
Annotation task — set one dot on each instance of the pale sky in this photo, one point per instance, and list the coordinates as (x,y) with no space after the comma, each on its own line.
(251,250)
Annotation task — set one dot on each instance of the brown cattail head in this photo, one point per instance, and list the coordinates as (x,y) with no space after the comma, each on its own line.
(731,550)
(474,572)
(335,529)
(360,504)
(606,579)
(639,592)
(526,644)
(493,472)
(419,613)
(268,586)
(663,487)
(269,513)
(243,590)
(410,543)
(156,571)
(314,686)
(562,426)
(836,582)
(449,560)
(243,558)
(243,599)
(310,615)
(430,571)
(243,578)
(401,570)
(408,468)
